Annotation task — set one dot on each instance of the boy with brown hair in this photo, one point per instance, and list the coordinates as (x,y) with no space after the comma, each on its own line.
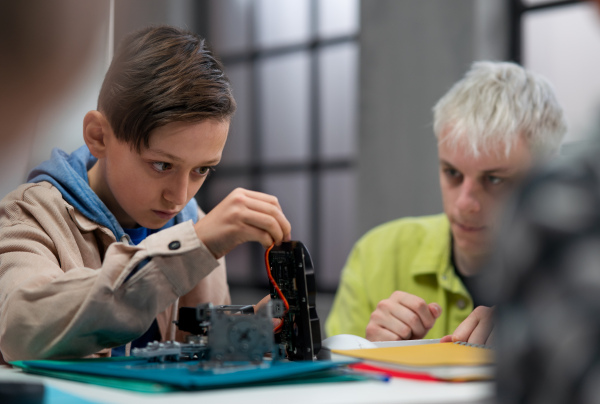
(102,246)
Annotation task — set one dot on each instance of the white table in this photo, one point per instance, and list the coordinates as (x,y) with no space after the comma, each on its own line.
(395,391)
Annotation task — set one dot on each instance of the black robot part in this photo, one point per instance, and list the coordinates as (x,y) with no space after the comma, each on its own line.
(292,269)
(188,321)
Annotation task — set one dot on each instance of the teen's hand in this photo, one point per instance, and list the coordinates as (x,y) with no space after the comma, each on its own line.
(477,328)
(243,216)
(403,316)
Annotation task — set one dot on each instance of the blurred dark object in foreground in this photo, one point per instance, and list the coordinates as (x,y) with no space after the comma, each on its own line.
(546,279)
(43,47)
(17,392)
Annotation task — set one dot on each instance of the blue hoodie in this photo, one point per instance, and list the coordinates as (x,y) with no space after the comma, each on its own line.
(68,173)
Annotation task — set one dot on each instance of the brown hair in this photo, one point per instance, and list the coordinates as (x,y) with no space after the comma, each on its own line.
(161,75)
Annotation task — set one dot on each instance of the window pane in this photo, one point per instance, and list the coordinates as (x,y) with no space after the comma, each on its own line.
(239,260)
(563,44)
(338,66)
(280,23)
(284,95)
(216,188)
(338,17)
(230,25)
(338,225)
(239,266)
(237,149)
(293,193)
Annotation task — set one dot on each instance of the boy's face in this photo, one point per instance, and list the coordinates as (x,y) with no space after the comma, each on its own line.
(149,188)
(473,189)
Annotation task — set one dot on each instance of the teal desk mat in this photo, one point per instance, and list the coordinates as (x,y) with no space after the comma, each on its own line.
(152,377)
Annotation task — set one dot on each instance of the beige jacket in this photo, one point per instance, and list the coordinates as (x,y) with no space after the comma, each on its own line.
(63,292)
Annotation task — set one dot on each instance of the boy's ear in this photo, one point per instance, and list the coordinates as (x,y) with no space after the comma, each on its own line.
(96,129)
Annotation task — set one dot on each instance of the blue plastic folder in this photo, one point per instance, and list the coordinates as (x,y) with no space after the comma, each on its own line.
(141,375)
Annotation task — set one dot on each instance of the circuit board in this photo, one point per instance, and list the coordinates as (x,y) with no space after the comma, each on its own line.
(292,269)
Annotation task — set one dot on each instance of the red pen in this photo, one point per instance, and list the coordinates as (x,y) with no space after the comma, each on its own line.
(394,373)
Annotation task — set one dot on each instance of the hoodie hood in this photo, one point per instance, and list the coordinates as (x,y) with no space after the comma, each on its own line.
(68,173)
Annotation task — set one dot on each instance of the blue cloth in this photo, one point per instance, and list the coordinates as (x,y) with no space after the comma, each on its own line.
(68,173)
(138,234)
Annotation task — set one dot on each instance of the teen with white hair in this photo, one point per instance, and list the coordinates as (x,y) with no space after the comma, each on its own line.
(413,277)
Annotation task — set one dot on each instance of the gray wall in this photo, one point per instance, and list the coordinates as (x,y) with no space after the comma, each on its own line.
(131,15)
(412,51)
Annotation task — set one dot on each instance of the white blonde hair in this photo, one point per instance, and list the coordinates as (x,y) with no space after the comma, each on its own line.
(494,104)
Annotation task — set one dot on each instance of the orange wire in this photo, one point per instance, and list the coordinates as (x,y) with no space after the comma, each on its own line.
(281,296)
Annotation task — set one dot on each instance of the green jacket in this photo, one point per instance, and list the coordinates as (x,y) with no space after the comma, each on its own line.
(409,254)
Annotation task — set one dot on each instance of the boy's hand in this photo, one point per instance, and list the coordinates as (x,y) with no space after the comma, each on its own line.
(263,301)
(477,328)
(403,316)
(243,216)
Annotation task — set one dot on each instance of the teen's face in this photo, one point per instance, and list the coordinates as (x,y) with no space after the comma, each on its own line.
(149,188)
(473,189)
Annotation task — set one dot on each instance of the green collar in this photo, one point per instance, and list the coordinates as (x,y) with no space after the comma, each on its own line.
(434,257)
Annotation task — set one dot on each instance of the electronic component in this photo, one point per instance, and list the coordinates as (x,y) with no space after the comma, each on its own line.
(292,269)
(238,337)
(235,333)
(218,334)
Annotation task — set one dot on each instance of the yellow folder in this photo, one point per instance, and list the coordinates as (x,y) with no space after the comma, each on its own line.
(451,361)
